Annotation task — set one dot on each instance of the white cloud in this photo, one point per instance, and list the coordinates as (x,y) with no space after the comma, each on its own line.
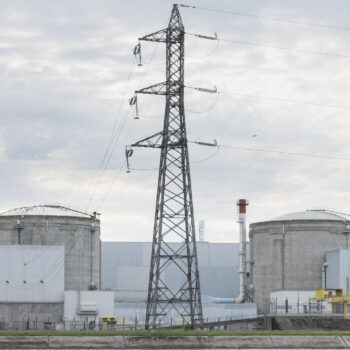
(63,72)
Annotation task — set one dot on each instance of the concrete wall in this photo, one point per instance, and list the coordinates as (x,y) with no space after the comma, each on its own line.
(125,269)
(32,274)
(82,245)
(178,342)
(288,255)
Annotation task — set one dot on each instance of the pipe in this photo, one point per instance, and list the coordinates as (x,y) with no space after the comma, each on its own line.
(242,208)
(250,292)
(19,229)
(92,285)
(324,275)
(213,300)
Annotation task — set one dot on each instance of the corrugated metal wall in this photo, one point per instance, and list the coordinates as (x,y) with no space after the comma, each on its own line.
(125,269)
(31,273)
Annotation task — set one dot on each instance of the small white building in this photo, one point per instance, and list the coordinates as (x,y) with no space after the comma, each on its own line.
(336,270)
(87,306)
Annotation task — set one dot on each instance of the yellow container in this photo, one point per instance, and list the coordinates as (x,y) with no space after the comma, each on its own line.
(109,320)
(320,294)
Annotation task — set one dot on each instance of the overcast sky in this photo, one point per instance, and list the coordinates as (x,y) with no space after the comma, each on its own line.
(64,69)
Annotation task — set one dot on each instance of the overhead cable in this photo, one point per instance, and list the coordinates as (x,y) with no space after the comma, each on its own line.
(266,18)
(114,145)
(109,149)
(191,162)
(207,54)
(269,46)
(309,52)
(115,135)
(277,99)
(112,184)
(207,110)
(263,150)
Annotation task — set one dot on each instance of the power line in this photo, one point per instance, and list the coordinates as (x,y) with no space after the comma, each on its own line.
(115,143)
(268,46)
(112,184)
(207,110)
(253,149)
(207,54)
(207,158)
(309,52)
(275,19)
(277,99)
(191,162)
(109,149)
(300,154)
(150,116)
(115,135)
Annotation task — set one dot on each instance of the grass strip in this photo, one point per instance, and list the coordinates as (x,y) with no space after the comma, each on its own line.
(167,332)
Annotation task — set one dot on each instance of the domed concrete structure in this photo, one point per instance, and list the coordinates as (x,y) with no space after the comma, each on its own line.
(287,252)
(53,248)
(78,232)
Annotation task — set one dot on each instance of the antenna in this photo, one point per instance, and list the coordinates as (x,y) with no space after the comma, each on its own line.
(174,219)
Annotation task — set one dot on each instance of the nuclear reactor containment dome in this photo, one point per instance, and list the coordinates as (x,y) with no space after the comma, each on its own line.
(53,225)
(287,253)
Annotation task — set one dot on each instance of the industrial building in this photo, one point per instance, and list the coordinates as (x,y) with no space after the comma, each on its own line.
(46,249)
(290,253)
(55,261)
(125,270)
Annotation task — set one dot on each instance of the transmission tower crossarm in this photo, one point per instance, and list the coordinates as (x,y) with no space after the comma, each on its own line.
(160,36)
(153,141)
(156,89)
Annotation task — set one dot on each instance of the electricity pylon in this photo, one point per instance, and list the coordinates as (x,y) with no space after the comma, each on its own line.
(174,220)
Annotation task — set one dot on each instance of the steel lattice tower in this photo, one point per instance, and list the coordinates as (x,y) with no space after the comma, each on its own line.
(174,220)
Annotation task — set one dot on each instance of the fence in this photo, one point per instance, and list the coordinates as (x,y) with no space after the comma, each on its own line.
(309,307)
(122,324)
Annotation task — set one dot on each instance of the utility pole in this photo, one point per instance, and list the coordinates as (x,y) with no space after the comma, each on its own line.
(174,278)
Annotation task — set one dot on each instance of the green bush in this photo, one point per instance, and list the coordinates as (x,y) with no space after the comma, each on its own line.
(187,327)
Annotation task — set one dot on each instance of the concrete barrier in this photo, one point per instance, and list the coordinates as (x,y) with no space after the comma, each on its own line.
(28,342)
(236,342)
(91,342)
(309,342)
(172,342)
